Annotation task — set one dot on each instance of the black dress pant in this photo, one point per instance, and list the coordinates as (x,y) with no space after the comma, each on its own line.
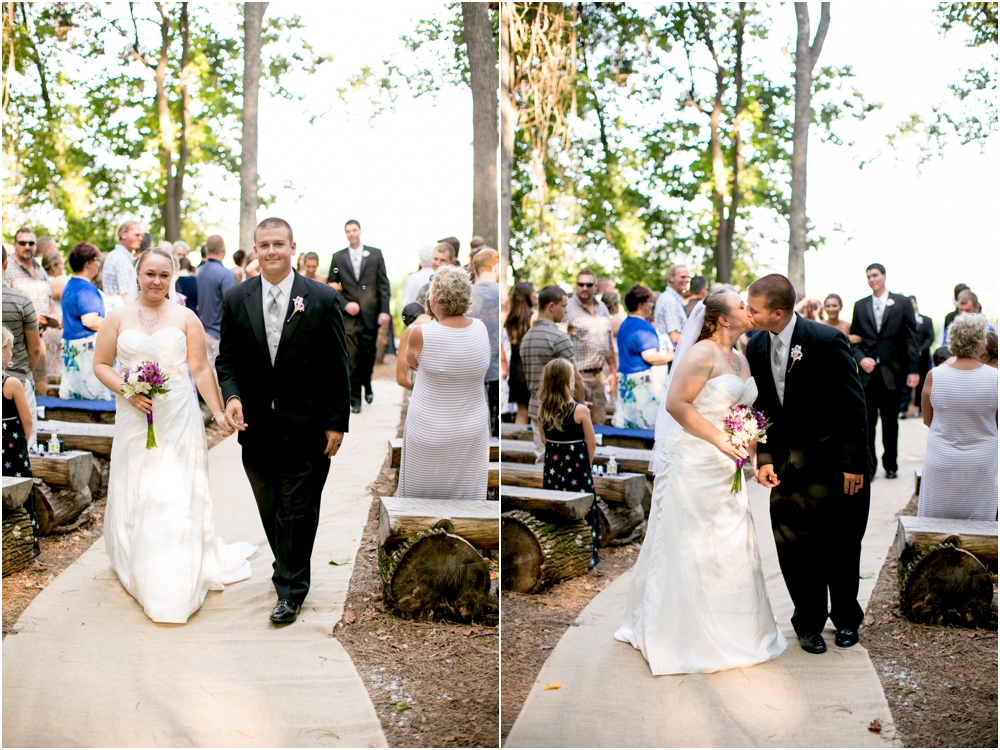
(925,366)
(818,532)
(361,345)
(288,491)
(881,400)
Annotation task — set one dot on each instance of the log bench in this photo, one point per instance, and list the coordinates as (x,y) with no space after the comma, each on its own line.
(79,436)
(630,460)
(15,492)
(70,410)
(609,436)
(474,520)
(63,496)
(396,451)
(547,504)
(18,537)
(615,489)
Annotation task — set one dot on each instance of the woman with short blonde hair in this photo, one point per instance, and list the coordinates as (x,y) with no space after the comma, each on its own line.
(451,289)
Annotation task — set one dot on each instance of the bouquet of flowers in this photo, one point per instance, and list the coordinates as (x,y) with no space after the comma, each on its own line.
(145,379)
(744,425)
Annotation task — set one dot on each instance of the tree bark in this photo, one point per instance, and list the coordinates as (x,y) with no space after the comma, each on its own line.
(727,226)
(945,586)
(171,219)
(18,540)
(253,18)
(508,126)
(805,60)
(535,554)
(483,70)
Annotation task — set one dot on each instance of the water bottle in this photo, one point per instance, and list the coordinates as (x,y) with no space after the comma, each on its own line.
(54,443)
(612,466)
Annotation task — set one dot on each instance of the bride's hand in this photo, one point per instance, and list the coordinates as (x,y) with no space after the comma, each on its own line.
(220,419)
(733,451)
(140,402)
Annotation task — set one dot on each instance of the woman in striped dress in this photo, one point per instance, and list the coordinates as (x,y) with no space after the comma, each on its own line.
(447,429)
(960,406)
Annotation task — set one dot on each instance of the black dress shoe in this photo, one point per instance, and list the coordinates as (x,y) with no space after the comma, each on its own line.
(284,612)
(356,406)
(902,415)
(846,637)
(369,396)
(889,474)
(813,643)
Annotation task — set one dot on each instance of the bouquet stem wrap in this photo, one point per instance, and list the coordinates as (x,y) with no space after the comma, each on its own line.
(737,480)
(150,435)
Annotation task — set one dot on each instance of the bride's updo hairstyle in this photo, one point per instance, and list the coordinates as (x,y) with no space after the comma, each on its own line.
(157,251)
(716,305)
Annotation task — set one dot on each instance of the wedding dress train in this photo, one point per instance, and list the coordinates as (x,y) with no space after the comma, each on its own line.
(158,524)
(697,600)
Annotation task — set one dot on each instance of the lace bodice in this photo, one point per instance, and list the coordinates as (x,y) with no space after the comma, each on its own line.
(721,394)
(168,346)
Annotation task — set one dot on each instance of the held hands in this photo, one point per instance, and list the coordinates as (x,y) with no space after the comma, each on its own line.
(333,441)
(234,414)
(352,308)
(767,477)
(220,419)
(868,364)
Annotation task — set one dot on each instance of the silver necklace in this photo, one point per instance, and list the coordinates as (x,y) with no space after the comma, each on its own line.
(737,365)
(148,323)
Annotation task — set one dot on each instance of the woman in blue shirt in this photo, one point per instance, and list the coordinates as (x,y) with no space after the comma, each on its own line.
(642,372)
(83,312)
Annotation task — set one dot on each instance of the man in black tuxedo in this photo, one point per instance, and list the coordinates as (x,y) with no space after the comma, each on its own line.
(925,340)
(283,371)
(814,462)
(358,273)
(888,360)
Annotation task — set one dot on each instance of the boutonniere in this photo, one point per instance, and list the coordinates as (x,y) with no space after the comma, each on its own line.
(796,355)
(890,302)
(300,305)
(365,254)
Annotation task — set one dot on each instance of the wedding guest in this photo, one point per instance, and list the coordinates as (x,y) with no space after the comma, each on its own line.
(990,355)
(669,316)
(54,267)
(213,280)
(925,340)
(43,246)
(358,273)
(239,258)
(413,315)
(613,301)
(486,307)
(18,424)
(588,324)
(187,284)
(959,288)
(446,432)
(27,276)
(568,436)
(146,243)
(118,273)
(252,266)
(83,313)
(699,290)
(20,318)
(455,246)
(833,305)
(887,360)
(238,273)
(181,249)
(641,375)
(444,254)
(544,342)
(959,478)
(810,309)
(310,267)
(941,355)
(520,316)
(421,277)
(300,264)
(603,286)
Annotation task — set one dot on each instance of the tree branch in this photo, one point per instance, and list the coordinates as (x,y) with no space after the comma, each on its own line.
(824,25)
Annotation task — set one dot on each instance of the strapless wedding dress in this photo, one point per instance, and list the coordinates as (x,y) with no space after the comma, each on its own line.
(158,524)
(697,600)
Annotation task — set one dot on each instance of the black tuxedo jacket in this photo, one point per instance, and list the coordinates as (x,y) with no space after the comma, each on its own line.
(894,347)
(370,289)
(822,425)
(925,335)
(309,383)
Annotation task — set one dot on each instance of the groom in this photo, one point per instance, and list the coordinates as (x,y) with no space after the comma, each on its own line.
(283,371)
(815,461)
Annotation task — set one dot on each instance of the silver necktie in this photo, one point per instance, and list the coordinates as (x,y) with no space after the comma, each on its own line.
(272,308)
(778,346)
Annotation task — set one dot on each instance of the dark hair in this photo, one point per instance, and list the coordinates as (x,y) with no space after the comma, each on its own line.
(239,256)
(959,288)
(4,254)
(716,305)
(453,241)
(777,291)
(446,247)
(991,347)
(312,256)
(878,266)
(184,264)
(146,242)
(519,311)
(214,245)
(549,295)
(355,222)
(967,295)
(274,223)
(81,254)
(912,298)
(697,283)
(587,272)
(411,312)
(476,242)
(836,297)
(22,230)
(636,295)
(941,355)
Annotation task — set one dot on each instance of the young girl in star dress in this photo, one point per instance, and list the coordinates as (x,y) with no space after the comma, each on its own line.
(568,436)
(16,426)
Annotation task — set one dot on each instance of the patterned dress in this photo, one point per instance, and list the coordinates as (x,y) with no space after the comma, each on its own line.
(567,468)
(15,454)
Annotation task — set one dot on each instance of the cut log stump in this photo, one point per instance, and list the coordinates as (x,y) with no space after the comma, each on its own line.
(918,533)
(476,521)
(945,585)
(616,522)
(435,575)
(57,509)
(616,489)
(18,541)
(70,470)
(552,505)
(15,492)
(534,554)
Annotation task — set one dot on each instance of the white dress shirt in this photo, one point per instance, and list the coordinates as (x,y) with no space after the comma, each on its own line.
(779,361)
(356,256)
(879,304)
(274,327)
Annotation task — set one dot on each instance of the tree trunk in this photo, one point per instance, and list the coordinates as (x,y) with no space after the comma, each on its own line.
(182,144)
(171,219)
(944,586)
(535,554)
(616,522)
(727,226)
(483,70)
(56,509)
(508,127)
(18,541)
(253,18)
(805,61)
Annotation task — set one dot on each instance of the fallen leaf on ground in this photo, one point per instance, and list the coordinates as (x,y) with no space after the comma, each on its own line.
(349,616)
(552,686)
(952,715)
(875,726)
(377,597)
(866,576)
(402,706)
(340,561)
(869,619)
(396,646)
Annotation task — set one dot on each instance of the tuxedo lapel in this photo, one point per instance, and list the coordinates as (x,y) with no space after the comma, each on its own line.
(800,338)
(365,255)
(254,305)
(345,265)
(300,290)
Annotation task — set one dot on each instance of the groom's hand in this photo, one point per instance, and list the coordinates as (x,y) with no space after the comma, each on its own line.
(333,441)
(853,483)
(234,414)
(868,364)
(767,477)
(352,308)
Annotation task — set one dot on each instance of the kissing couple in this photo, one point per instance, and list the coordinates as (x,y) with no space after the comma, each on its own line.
(697,600)
(284,380)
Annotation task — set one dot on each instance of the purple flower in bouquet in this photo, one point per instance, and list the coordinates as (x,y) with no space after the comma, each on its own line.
(145,379)
(743,425)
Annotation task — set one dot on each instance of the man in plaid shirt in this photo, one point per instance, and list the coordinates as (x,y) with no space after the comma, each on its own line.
(669,317)
(588,324)
(26,275)
(119,268)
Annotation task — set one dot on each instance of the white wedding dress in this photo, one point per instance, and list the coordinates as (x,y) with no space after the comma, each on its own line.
(158,524)
(697,600)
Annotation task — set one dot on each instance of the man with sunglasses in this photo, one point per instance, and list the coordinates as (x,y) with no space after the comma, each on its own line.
(588,325)
(27,276)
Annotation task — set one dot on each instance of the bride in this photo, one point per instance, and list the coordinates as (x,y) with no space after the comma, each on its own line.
(158,523)
(697,601)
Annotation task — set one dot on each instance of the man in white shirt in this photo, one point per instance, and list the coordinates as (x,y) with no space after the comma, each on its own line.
(119,268)
(669,316)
